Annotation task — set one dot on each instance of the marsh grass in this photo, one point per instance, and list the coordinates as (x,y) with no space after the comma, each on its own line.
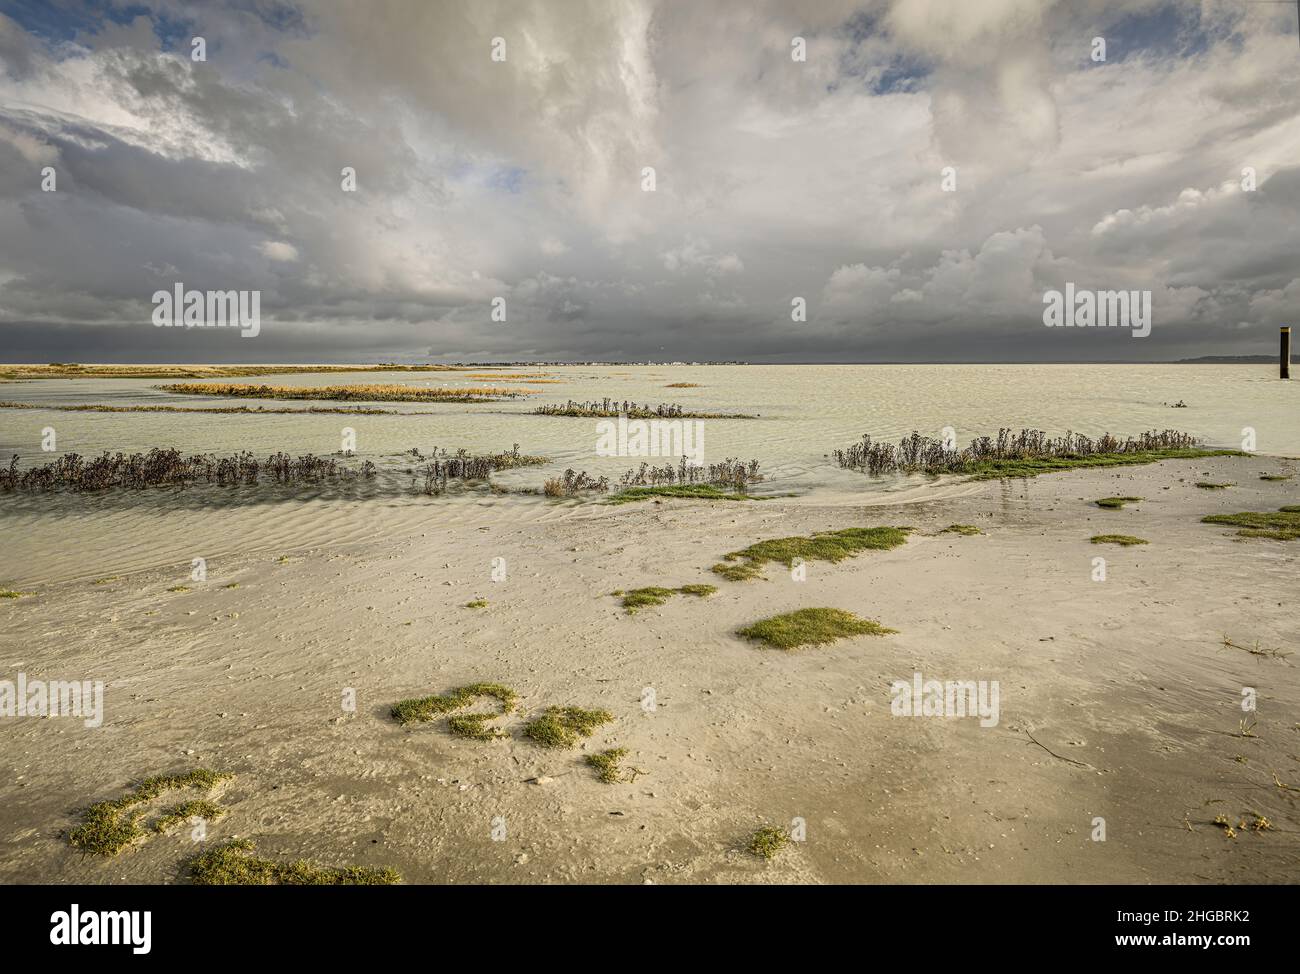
(639,598)
(1120,539)
(702,492)
(563,726)
(967,529)
(768,841)
(422,709)
(179,588)
(731,473)
(233,864)
(176,814)
(612,408)
(1280,525)
(360,392)
(441,468)
(474,727)
(1024,454)
(608,765)
(169,468)
(477,604)
(1116,503)
(8,593)
(832,546)
(811,627)
(109,827)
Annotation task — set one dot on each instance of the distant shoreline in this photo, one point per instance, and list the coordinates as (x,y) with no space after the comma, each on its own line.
(13,371)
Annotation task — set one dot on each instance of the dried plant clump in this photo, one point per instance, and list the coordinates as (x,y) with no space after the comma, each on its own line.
(1257,650)
(441,468)
(639,598)
(361,392)
(1275,476)
(169,468)
(768,841)
(730,473)
(422,709)
(1210,485)
(610,408)
(966,529)
(811,627)
(1120,539)
(1116,503)
(1253,822)
(109,827)
(832,546)
(563,726)
(477,604)
(1024,454)
(232,864)
(574,484)
(683,385)
(1282,525)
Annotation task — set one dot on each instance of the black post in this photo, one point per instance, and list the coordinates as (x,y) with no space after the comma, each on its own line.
(1286,353)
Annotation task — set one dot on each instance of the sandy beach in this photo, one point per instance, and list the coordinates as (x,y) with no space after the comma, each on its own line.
(1119,699)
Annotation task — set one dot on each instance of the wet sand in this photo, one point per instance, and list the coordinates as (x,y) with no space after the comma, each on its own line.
(1125,685)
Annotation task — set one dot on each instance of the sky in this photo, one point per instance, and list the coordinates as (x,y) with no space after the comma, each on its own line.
(520,179)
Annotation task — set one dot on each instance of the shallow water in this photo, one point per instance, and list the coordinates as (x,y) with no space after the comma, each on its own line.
(803,413)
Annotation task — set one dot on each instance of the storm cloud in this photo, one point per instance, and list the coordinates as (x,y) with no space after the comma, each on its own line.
(1169,166)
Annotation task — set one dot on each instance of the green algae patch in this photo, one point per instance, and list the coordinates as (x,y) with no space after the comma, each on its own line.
(563,726)
(1116,503)
(995,469)
(109,827)
(966,529)
(608,764)
(832,546)
(768,841)
(706,492)
(1120,539)
(233,864)
(811,627)
(1280,525)
(422,709)
(639,598)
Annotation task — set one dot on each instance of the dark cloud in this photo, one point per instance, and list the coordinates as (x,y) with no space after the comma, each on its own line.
(522,180)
